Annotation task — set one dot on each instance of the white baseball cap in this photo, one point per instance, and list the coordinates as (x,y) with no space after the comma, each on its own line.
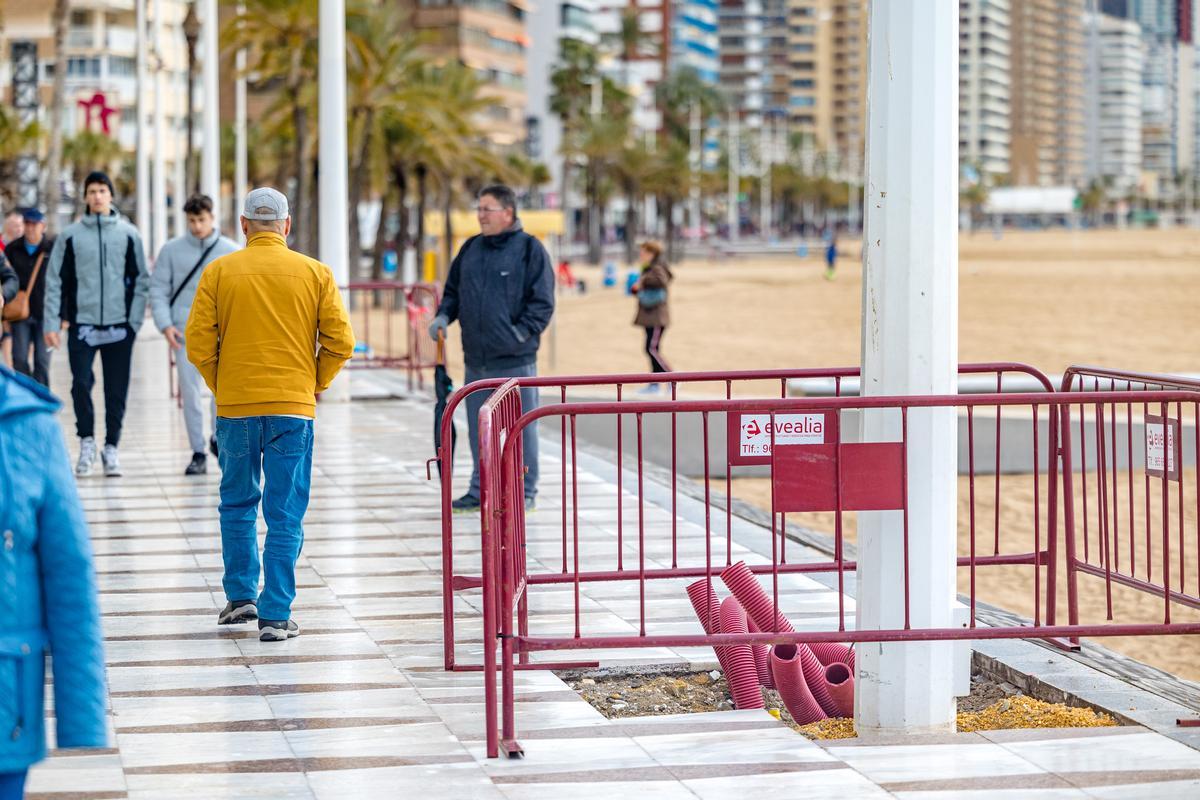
(265,204)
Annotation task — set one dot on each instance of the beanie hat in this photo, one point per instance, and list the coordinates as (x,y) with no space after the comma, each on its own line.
(96,176)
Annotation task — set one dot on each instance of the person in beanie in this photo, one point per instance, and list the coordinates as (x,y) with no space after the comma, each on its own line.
(96,287)
(501,291)
(177,272)
(268,332)
(30,256)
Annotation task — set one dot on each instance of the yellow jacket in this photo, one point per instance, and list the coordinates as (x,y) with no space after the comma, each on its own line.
(255,326)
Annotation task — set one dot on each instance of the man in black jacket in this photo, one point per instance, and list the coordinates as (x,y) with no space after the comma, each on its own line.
(29,253)
(501,291)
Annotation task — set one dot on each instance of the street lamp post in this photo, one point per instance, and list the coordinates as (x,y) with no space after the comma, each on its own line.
(191,31)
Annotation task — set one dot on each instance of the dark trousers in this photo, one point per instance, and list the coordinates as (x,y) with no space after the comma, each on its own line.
(653,343)
(27,334)
(115,359)
(529,440)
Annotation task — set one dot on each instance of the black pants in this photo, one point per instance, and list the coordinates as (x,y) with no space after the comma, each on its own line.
(653,343)
(115,359)
(27,334)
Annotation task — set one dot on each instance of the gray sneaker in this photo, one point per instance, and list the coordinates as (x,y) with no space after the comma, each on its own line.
(87,456)
(235,613)
(277,631)
(112,464)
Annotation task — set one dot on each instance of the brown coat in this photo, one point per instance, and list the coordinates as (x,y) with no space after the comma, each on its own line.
(655,276)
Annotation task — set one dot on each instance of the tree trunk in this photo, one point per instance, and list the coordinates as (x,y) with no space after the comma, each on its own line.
(447,230)
(303,236)
(385,210)
(669,207)
(358,182)
(400,175)
(422,189)
(631,222)
(594,215)
(54,158)
(313,208)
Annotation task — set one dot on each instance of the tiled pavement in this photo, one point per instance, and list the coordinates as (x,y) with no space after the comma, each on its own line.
(357,706)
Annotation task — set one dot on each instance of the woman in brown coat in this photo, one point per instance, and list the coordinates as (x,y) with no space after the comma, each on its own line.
(652,314)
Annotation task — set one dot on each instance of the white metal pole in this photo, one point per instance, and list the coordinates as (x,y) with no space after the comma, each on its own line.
(910,346)
(764,180)
(210,155)
(158,180)
(731,212)
(333,199)
(240,168)
(143,150)
(180,194)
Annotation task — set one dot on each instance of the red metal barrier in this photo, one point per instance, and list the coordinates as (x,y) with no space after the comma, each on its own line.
(1122,531)
(507,583)
(415,304)
(616,384)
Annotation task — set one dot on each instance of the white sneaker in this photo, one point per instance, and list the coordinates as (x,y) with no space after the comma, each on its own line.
(87,456)
(650,389)
(112,464)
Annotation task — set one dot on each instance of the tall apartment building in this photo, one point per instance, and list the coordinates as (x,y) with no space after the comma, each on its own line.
(1048,52)
(754,60)
(549,24)
(1114,101)
(100,61)
(984,85)
(827,52)
(487,36)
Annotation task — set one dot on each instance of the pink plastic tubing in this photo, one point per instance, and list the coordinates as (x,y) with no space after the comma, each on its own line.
(793,688)
(839,682)
(831,653)
(761,663)
(750,594)
(739,659)
(706,605)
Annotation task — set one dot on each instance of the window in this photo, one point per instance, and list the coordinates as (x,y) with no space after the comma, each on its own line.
(81,19)
(83,67)
(122,66)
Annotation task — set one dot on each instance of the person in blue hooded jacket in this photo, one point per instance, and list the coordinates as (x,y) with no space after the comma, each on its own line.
(47,590)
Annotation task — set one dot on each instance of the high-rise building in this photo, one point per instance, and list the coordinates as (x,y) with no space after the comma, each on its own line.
(1048,51)
(827,52)
(487,36)
(550,24)
(101,70)
(1114,101)
(984,86)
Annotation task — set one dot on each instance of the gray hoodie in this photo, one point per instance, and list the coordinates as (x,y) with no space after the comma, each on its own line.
(171,268)
(97,275)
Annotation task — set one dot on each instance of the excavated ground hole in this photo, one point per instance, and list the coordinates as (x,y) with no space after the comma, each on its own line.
(991,705)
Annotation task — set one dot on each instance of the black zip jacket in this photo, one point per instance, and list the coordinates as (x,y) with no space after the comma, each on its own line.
(501,290)
(22,262)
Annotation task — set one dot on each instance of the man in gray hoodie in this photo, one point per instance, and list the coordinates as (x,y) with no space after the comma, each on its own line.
(96,284)
(172,288)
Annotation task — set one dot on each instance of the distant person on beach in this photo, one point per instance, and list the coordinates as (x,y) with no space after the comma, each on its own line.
(501,291)
(652,312)
(831,254)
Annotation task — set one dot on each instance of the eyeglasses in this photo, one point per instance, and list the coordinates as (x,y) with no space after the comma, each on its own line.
(486,210)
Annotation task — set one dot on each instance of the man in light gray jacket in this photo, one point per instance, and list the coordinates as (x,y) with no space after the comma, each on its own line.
(172,289)
(97,284)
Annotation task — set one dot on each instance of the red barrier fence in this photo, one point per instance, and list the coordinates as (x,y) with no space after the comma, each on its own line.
(832,475)
(1127,529)
(755,382)
(390,321)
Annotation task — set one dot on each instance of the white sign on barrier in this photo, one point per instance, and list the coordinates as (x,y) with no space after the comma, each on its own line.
(756,429)
(1158,461)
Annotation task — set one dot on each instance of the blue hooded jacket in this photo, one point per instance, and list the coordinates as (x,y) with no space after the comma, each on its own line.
(47,585)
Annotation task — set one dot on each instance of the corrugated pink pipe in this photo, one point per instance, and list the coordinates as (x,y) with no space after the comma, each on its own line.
(839,682)
(738,659)
(793,687)
(762,652)
(706,605)
(832,653)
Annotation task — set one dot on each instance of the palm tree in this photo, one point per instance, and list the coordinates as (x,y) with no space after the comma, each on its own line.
(87,151)
(16,140)
(55,156)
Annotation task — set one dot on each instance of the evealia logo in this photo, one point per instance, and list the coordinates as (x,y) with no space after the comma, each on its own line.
(758,431)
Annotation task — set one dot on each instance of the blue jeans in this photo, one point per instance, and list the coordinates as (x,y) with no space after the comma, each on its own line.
(279,449)
(12,785)
(529,401)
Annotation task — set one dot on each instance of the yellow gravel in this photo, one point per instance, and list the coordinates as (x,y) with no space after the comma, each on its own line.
(1014,712)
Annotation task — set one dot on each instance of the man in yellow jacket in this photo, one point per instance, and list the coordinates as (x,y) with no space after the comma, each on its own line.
(268,331)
